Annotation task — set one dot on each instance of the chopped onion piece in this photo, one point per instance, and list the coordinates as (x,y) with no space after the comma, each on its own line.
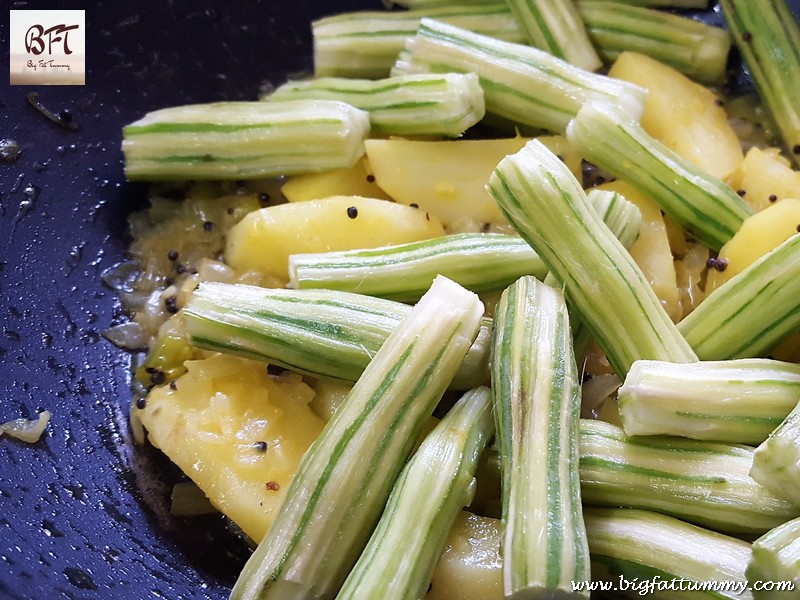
(129,336)
(214,270)
(27,430)
(122,277)
(595,391)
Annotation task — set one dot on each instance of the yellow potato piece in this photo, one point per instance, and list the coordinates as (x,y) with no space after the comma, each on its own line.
(448,178)
(264,239)
(652,250)
(471,567)
(355,181)
(758,235)
(685,116)
(212,426)
(765,177)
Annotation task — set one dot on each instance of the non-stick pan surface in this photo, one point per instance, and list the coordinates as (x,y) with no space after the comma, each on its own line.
(81,513)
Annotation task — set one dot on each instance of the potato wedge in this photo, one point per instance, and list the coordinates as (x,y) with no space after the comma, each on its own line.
(355,181)
(758,235)
(237,432)
(765,177)
(448,178)
(686,116)
(652,250)
(264,239)
(471,565)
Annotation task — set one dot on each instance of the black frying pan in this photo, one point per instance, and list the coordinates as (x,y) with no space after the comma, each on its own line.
(81,513)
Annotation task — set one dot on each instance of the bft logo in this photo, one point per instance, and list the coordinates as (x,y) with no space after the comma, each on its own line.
(35,38)
(47,47)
